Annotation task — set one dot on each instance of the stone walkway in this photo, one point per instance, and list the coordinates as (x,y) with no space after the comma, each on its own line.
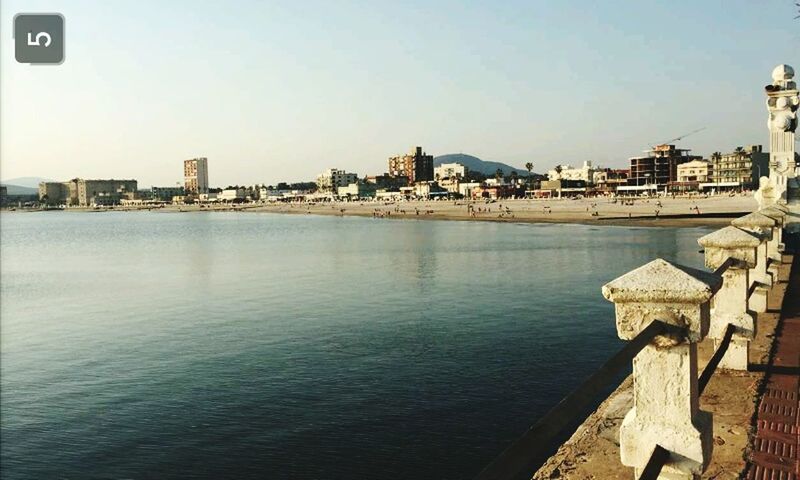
(774,451)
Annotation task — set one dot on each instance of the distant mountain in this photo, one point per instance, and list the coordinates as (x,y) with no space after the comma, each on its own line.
(30,182)
(475,164)
(20,190)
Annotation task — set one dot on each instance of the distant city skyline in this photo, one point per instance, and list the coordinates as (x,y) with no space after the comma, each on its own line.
(282,91)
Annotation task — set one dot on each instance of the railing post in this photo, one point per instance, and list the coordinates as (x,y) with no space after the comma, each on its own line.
(729,305)
(760,277)
(666,409)
(775,245)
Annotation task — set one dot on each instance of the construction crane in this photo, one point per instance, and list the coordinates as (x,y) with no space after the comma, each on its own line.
(652,147)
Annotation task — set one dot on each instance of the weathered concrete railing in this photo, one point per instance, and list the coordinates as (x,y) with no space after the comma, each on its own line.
(734,249)
(666,435)
(665,310)
(760,278)
(666,399)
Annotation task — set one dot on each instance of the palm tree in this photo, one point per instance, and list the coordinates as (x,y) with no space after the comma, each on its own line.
(529,167)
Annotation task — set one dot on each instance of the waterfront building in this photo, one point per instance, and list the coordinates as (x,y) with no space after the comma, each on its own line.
(195,174)
(53,193)
(495,191)
(205,197)
(417,166)
(332,179)
(426,190)
(658,168)
(691,175)
(450,170)
(104,192)
(583,173)
(465,188)
(81,192)
(560,188)
(739,169)
(232,194)
(451,184)
(607,180)
(165,194)
(387,181)
(495,182)
(357,190)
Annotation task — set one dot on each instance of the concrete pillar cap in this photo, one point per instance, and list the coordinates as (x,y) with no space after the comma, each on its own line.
(730,238)
(661,281)
(754,220)
(774,213)
(731,243)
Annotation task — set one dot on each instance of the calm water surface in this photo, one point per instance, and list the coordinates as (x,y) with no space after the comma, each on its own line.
(211,345)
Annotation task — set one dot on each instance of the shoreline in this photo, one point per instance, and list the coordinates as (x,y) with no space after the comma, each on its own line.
(690,212)
(643,221)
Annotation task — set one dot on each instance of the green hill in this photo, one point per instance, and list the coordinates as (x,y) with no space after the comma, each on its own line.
(20,190)
(475,164)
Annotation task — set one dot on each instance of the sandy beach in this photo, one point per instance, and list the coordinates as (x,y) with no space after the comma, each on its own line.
(653,212)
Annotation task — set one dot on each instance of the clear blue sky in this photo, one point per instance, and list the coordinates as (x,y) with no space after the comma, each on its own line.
(272,91)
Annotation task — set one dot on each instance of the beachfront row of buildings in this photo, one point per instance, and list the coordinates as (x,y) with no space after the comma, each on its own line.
(664,168)
(87,192)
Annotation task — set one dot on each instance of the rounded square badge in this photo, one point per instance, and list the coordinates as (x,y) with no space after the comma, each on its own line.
(39,38)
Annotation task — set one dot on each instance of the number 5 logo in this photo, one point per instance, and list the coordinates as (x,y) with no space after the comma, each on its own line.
(39,38)
(38,41)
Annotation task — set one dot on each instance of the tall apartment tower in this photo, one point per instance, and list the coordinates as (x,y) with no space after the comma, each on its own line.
(195,174)
(416,165)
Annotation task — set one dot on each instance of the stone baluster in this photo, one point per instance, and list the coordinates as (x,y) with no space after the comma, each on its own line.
(775,245)
(763,226)
(666,409)
(729,305)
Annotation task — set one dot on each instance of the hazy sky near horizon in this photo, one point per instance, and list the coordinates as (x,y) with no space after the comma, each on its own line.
(272,91)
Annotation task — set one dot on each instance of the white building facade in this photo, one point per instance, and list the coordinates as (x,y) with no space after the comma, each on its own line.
(450,170)
(332,179)
(568,172)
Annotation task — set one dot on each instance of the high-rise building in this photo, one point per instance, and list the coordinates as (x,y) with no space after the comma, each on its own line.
(416,165)
(195,174)
(659,167)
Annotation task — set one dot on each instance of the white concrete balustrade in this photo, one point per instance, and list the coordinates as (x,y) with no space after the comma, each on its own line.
(760,277)
(775,245)
(666,409)
(730,304)
(746,258)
